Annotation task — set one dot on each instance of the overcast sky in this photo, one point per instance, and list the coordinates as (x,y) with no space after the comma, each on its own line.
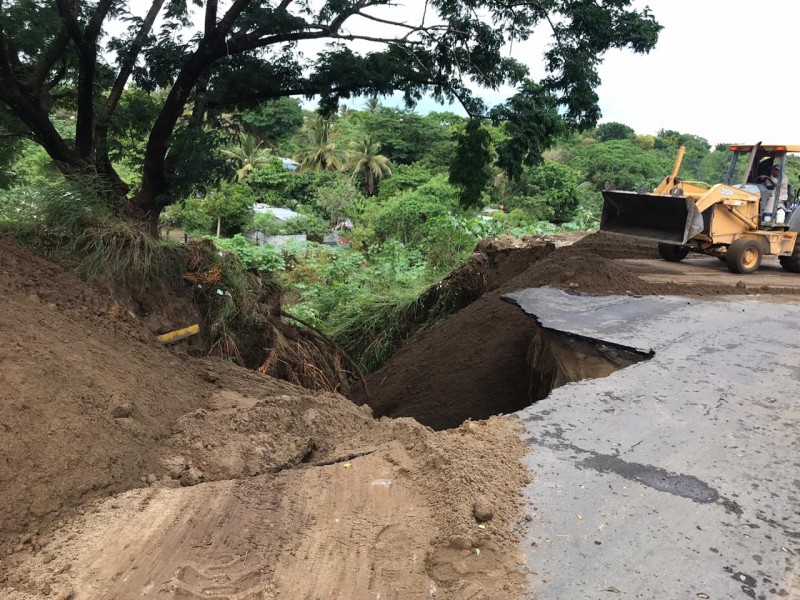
(722,69)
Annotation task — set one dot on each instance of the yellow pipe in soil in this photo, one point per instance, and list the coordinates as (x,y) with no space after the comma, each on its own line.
(179,334)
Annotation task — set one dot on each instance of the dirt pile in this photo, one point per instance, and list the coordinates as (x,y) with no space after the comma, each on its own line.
(399,520)
(573,268)
(127,468)
(86,391)
(508,257)
(472,365)
(616,247)
(494,262)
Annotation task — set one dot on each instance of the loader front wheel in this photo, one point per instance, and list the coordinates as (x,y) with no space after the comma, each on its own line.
(672,252)
(744,256)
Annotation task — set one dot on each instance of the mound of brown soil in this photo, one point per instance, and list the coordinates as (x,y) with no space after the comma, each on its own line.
(227,471)
(572,268)
(608,245)
(86,391)
(508,257)
(472,365)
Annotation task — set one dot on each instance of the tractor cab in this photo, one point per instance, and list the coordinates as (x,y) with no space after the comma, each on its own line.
(777,201)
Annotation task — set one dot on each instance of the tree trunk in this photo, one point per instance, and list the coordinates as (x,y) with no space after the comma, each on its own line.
(150,200)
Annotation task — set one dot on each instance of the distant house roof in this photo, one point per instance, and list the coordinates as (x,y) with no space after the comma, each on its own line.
(289,163)
(282,214)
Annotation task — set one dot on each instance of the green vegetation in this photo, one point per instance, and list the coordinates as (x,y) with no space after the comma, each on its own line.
(181,120)
(399,185)
(147,109)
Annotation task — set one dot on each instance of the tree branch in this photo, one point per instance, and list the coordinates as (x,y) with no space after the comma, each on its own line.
(28,110)
(249,42)
(62,71)
(129,62)
(70,21)
(48,59)
(211,17)
(95,25)
(8,53)
(228,20)
(86,43)
(337,23)
(411,28)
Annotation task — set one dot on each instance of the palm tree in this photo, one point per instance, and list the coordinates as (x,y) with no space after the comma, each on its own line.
(373,104)
(369,163)
(320,152)
(247,155)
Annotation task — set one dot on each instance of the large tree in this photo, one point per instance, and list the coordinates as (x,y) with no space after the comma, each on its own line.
(54,53)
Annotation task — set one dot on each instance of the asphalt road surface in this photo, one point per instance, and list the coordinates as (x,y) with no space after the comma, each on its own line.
(677,477)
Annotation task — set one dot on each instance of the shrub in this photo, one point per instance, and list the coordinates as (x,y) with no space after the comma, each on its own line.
(233,204)
(338,199)
(267,223)
(548,191)
(265,258)
(622,163)
(403,217)
(449,240)
(404,177)
(190,215)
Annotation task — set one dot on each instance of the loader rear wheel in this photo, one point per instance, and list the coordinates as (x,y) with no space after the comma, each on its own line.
(672,252)
(744,256)
(791,263)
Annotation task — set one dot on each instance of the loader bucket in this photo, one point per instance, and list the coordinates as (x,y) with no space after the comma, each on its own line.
(662,218)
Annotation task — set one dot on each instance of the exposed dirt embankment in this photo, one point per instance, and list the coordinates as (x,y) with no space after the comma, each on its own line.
(508,257)
(127,469)
(86,392)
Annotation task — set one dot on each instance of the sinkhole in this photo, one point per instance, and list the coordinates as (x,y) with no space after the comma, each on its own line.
(544,359)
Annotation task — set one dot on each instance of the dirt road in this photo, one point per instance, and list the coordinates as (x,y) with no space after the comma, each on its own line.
(710,271)
(332,532)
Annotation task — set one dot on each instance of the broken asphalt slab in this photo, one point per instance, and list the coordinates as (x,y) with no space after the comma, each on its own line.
(679,476)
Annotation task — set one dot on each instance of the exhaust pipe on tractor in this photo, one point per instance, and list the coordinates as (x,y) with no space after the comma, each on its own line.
(668,219)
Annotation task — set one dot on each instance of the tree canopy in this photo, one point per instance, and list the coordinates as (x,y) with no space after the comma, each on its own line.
(202,63)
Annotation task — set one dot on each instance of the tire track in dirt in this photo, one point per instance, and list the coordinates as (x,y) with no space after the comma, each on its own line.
(326,532)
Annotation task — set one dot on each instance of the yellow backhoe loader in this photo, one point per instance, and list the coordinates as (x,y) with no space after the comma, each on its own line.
(738,223)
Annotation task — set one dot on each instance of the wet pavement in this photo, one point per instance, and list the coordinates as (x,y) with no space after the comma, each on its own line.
(679,476)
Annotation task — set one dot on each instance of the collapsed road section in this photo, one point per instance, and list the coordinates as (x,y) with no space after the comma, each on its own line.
(676,477)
